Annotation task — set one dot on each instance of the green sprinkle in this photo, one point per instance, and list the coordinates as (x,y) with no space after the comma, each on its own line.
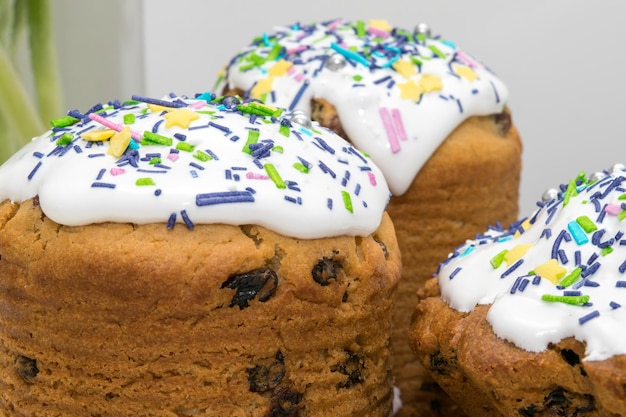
(65,139)
(278,149)
(321,39)
(129,119)
(567,299)
(569,192)
(586,223)
(416,61)
(131,102)
(284,130)
(253,137)
(185,147)
(301,167)
(421,37)
(622,197)
(347,201)
(606,251)
(150,138)
(266,110)
(154,161)
(497,260)
(144,181)
(274,176)
(278,112)
(357,78)
(201,156)
(274,53)
(621,215)
(360,29)
(64,121)
(571,277)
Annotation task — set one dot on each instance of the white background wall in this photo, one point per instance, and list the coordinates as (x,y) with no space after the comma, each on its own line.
(564,61)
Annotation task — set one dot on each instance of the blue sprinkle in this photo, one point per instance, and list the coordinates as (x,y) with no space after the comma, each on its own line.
(536,280)
(327,170)
(357,189)
(38,155)
(78,149)
(562,256)
(102,185)
(512,268)
(156,126)
(620,284)
(592,258)
(95,155)
(223,128)
(290,199)
(324,145)
(577,257)
(572,293)
(224,198)
(180,136)
(234,138)
(298,95)
(101,174)
(34,170)
(251,190)
(523,284)
(586,318)
(197,166)
(228,174)
(329,203)
(622,267)
(456,271)
(157,102)
(516,285)
(547,233)
(186,219)
(614,305)
(193,173)
(171,221)
(157,192)
(382,80)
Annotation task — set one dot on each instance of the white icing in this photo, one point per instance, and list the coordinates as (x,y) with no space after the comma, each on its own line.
(523,317)
(427,120)
(64,183)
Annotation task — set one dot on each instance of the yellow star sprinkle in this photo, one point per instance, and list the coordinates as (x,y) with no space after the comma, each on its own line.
(404,68)
(180,117)
(516,253)
(410,90)
(525,225)
(263,86)
(551,271)
(466,72)
(280,68)
(430,83)
(155,108)
(119,142)
(98,135)
(381,24)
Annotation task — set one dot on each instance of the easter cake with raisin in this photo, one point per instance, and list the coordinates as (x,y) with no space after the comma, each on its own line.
(433,118)
(529,321)
(194,257)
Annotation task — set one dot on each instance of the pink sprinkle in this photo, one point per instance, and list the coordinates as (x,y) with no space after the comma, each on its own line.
(372,178)
(377,32)
(173,157)
(117,171)
(253,176)
(613,209)
(466,59)
(197,105)
(399,125)
(333,25)
(299,77)
(391,132)
(112,125)
(296,49)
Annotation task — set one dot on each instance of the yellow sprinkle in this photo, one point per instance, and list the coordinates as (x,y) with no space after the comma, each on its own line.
(551,271)
(280,68)
(466,72)
(525,225)
(263,86)
(119,142)
(98,135)
(431,83)
(180,117)
(404,68)
(380,24)
(154,108)
(410,90)
(516,252)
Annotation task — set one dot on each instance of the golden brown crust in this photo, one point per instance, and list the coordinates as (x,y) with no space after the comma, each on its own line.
(127,320)
(489,376)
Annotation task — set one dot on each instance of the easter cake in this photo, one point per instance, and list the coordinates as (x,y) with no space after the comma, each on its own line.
(529,321)
(200,256)
(434,119)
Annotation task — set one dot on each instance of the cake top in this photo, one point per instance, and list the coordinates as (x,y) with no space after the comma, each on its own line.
(398,93)
(559,273)
(201,160)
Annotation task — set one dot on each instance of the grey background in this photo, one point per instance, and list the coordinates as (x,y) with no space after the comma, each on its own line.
(563,61)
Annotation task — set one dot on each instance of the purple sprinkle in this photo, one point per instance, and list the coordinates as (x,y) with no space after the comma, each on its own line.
(563,256)
(290,199)
(572,293)
(228,174)
(95,155)
(622,267)
(592,258)
(547,233)
(251,190)
(591,270)
(536,280)
(197,166)
(156,126)
(198,127)
(523,284)
(577,257)
(34,170)
(171,221)
(186,219)
(586,318)
(305,163)
(158,102)
(101,174)
(614,305)
(324,145)
(620,284)
(224,198)
(211,154)
(153,171)
(180,136)
(298,95)
(223,128)
(78,149)
(329,203)
(357,189)
(38,155)
(592,284)
(516,284)
(382,80)
(157,192)
(234,138)
(456,271)
(102,185)
(327,170)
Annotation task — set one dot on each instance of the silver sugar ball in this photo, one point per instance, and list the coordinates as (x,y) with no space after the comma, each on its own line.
(230,102)
(596,176)
(301,118)
(422,29)
(335,62)
(549,195)
(617,167)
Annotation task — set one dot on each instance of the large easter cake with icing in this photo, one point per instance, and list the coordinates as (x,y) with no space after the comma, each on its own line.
(194,257)
(434,119)
(529,321)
